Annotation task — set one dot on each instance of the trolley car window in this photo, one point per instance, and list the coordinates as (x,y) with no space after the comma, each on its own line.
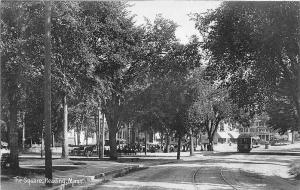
(244,141)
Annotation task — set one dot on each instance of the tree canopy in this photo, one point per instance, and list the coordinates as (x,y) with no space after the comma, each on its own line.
(253,49)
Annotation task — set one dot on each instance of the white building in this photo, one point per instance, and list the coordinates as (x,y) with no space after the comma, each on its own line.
(226,133)
(127,134)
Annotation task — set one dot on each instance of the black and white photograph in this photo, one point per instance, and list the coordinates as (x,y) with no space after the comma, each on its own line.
(149,95)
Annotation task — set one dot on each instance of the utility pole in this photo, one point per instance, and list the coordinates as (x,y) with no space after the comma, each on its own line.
(96,117)
(99,133)
(102,137)
(53,140)
(42,142)
(47,95)
(65,152)
(145,142)
(0,74)
(23,131)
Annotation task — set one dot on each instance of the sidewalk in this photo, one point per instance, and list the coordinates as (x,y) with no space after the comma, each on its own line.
(78,170)
(65,173)
(284,148)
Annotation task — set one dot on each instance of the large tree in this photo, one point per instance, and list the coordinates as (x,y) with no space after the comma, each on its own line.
(22,58)
(166,98)
(210,105)
(254,49)
(116,42)
(19,65)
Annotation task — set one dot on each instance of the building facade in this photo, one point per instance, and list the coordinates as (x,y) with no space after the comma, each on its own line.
(226,133)
(258,128)
(127,134)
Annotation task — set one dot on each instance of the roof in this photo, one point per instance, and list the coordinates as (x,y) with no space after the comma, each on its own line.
(223,135)
(234,134)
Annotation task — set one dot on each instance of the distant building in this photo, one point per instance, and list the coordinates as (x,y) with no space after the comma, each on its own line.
(258,128)
(127,134)
(226,133)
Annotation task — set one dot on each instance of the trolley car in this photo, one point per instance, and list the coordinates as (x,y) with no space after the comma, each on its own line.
(244,143)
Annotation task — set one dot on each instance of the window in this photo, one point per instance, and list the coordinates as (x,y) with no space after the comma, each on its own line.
(120,134)
(262,130)
(222,127)
(241,130)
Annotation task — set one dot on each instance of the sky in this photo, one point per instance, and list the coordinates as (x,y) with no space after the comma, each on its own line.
(174,10)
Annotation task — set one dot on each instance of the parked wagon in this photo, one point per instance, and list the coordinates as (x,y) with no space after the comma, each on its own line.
(5,154)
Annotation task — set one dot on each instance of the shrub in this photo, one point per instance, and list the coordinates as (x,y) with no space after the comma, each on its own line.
(295,169)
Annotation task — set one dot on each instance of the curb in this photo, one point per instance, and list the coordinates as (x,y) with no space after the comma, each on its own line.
(100,177)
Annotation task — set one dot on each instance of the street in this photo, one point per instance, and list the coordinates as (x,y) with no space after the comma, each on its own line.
(150,95)
(257,170)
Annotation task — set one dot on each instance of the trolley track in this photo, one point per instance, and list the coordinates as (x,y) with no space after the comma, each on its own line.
(254,178)
(219,174)
(194,178)
(225,180)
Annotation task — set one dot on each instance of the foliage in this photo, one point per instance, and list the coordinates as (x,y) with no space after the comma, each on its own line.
(116,44)
(210,105)
(253,50)
(282,115)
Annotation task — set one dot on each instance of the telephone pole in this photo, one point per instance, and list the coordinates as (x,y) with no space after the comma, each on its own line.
(101,133)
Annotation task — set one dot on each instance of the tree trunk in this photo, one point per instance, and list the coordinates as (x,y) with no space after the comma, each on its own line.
(298,111)
(161,141)
(211,144)
(298,81)
(179,147)
(293,137)
(191,143)
(210,134)
(65,152)
(78,134)
(168,142)
(196,141)
(97,124)
(86,135)
(112,126)
(42,144)
(47,95)
(13,135)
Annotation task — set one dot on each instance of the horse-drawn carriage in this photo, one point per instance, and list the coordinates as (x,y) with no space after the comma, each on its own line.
(5,152)
(84,150)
